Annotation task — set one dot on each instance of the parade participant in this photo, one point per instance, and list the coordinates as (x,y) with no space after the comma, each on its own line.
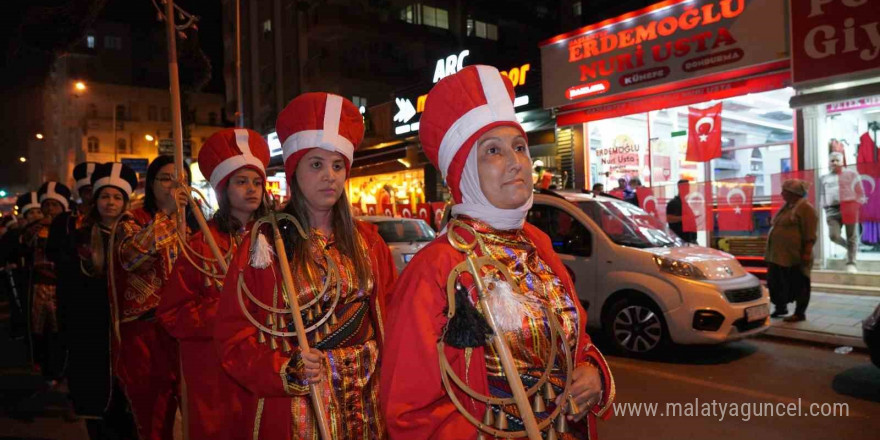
(48,347)
(235,161)
(96,396)
(470,133)
(341,271)
(61,248)
(145,247)
(17,262)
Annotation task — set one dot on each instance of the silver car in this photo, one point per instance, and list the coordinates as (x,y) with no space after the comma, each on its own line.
(404,236)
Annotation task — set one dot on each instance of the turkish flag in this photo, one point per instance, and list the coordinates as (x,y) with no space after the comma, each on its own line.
(696,206)
(404,210)
(870,179)
(437,208)
(704,133)
(371,209)
(735,204)
(356,210)
(776,181)
(424,211)
(387,210)
(616,193)
(647,200)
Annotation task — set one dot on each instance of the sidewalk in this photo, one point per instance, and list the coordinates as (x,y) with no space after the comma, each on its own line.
(832,318)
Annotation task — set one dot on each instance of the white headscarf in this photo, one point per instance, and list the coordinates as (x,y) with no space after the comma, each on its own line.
(475,204)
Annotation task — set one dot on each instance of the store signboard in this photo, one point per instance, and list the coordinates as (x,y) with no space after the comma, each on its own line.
(853,104)
(831,38)
(669,42)
(409,106)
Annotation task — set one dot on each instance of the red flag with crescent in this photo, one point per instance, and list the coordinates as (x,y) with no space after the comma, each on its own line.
(437,208)
(404,210)
(650,203)
(696,206)
(371,209)
(424,212)
(704,133)
(735,204)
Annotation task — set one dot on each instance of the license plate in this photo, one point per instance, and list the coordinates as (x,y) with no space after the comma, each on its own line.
(756,313)
(407,257)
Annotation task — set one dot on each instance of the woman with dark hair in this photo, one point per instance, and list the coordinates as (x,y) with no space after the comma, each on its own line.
(235,161)
(145,246)
(95,394)
(341,270)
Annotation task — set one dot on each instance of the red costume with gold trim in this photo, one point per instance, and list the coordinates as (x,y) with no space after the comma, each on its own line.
(146,360)
(414,400)
(351,343)
(188,309)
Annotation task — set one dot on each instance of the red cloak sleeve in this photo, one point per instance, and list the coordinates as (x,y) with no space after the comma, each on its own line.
(413,399)
(188,307)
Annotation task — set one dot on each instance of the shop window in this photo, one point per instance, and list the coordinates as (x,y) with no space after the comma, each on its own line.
(267,26)
(567,235)
(576,9)
(93,145)
(121,145)
(481,29)
(90,41)
(426,15)
(120,112)
(111,42)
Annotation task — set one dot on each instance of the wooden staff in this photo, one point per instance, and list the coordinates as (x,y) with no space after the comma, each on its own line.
(314,389)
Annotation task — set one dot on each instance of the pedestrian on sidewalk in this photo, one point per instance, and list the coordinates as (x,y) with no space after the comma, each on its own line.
(789,253)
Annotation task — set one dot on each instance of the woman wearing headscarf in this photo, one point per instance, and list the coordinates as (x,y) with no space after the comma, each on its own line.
(789,253)
(145,247)
(95,394)
(235,162)
(341,269)
(470,133)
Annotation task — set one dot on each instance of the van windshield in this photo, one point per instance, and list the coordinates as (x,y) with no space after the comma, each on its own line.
(629,225)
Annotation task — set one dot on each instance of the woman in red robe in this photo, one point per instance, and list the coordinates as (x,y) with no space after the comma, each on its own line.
(469,131)
(341,270)
(145,356)
(235,161)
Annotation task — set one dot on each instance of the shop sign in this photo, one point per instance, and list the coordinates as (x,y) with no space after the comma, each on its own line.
(665,43)
(139,165)
(623,154)
(853,104)
(408,108)
(834,37)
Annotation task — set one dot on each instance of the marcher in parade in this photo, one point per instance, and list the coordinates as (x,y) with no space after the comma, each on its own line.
(470,133)
(341,271)
(789,253)
(96,395)
(17,262)
(235,161)
(146,246)
(48,346)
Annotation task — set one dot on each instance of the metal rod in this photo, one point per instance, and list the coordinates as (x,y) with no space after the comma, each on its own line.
(287,277)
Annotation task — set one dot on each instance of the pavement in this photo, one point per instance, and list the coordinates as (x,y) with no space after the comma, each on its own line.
(832,319)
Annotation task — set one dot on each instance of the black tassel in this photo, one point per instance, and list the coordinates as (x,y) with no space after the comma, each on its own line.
(467,328)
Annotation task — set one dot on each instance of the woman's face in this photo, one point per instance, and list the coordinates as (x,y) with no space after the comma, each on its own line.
(51,208)
(245,190)
(163,184)
(110,203)
(321,177)
(33,215)
(504,167)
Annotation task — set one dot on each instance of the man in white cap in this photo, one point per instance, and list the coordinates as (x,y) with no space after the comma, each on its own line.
(789,253)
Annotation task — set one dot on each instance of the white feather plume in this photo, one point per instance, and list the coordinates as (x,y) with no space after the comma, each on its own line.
(261,253)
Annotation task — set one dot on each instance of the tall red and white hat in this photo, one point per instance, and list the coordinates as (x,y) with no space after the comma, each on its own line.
(229,150)
(318,120)
(460,109)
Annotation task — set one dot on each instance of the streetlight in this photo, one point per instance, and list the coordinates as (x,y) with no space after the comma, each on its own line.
(40,136)
(149,138)
(80,86)
(22,159)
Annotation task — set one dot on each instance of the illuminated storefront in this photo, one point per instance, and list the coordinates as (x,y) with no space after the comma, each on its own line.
(626,87)
(836,72)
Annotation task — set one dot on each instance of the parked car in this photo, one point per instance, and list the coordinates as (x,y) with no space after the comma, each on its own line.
(404,236)
(641,284)
(871,334)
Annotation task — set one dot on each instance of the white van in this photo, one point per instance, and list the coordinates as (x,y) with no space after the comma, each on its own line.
(641,284)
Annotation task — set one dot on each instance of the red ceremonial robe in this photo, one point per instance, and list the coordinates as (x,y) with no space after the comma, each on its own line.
(261,369)
(413,398)
(146,356)
(216,403)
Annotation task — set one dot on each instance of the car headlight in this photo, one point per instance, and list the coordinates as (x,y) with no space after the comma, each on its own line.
(679,268)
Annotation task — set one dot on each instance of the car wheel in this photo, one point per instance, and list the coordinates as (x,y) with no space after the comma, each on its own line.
(635,326)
